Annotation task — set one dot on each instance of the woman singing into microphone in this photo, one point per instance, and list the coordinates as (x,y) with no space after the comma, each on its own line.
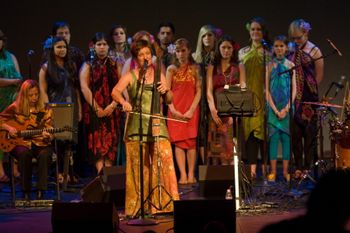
(141,51)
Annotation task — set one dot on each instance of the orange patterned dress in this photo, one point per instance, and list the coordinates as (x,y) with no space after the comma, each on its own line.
(152,151)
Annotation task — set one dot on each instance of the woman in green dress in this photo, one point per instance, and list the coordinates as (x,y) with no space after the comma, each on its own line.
(252,56)
(10,78)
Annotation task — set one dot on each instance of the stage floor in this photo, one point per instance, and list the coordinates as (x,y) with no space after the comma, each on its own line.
(264,204)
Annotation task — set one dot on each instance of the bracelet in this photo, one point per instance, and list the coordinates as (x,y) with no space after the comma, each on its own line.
(96,109)
(114,104)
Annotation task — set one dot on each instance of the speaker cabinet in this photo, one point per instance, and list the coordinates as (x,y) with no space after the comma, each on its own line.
(214,180)
(62,116)
(108,187)
(84,217)
(204,215)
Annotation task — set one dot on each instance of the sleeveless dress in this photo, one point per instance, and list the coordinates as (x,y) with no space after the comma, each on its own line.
(253,61)
(280,94)
(184,90)
(7,70)
(151,150)
(220,138)
(102,132)
(61,89)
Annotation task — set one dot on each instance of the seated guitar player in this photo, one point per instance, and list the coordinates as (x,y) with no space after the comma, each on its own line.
(27,123)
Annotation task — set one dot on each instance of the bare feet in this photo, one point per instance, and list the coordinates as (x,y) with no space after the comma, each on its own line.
(183,181)
(192,180)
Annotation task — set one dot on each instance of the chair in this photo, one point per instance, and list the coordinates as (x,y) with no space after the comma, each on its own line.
(63,117)
(54,163)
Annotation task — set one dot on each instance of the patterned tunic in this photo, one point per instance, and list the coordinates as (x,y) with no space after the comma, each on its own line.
(102,132)
(307,89)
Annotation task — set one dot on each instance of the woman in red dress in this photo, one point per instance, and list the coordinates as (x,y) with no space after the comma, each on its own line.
(223,73)
(185,82)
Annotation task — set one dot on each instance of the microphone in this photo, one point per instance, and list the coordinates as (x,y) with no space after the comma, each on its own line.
(91,51)
(145,64)
(91,54)
(339,85)
(30,53)
(265,43)
(334,47)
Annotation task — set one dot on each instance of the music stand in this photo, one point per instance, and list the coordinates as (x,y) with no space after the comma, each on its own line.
(236,111)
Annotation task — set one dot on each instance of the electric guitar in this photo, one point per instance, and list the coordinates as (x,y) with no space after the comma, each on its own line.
(7,142)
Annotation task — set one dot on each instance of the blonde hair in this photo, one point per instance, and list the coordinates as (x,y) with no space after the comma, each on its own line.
(299,25)
(199,49)
(22,102)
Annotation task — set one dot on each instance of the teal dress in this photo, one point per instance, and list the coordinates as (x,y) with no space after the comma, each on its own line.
(280,94)
(7,70)
(278,129)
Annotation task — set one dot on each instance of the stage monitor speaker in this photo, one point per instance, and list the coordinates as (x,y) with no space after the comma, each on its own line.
(204,215)
(214,180)
(108,187)
(62,116)
(84,217)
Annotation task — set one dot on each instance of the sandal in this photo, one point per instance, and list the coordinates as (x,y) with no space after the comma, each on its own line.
(4,179)
(182,182)
(297,174)
(271,177)
(192,181)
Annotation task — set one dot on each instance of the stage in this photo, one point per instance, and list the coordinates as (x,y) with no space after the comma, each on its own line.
(266,203)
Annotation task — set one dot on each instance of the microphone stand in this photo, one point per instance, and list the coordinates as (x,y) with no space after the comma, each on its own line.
(29,59)
(264,152)
(308,63)
(291,114)
(141,221)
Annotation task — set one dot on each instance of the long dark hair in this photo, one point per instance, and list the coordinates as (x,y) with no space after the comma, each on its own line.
(111,41)
(69,65)
(262,24)
(235,46)
(110,64)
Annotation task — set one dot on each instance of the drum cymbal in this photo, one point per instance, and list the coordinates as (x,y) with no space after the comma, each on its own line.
(324,104)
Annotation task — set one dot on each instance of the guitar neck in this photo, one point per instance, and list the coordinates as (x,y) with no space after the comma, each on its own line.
(33,132)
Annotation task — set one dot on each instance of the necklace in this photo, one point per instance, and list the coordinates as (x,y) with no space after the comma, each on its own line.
(227,75)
